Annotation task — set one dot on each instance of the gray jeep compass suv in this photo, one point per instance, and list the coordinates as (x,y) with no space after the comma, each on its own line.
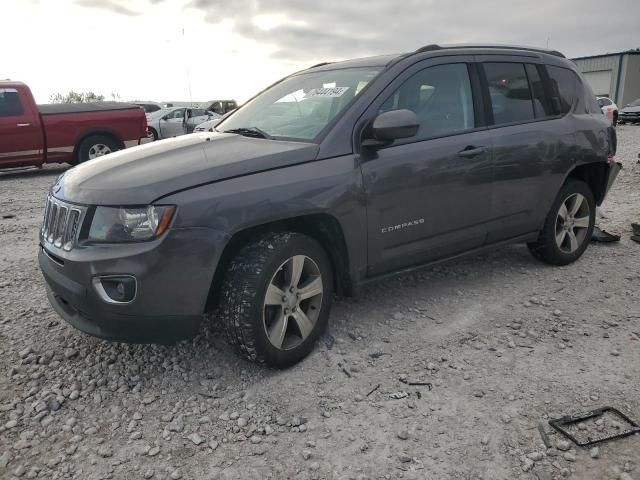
(330,178)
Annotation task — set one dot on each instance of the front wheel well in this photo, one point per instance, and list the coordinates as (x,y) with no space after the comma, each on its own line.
(594,175)
(324,228)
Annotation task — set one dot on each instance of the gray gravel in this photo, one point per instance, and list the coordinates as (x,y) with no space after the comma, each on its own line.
(505,342)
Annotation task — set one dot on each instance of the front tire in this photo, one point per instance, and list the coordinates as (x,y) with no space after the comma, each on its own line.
(568,227)
(96,146)
(275,298)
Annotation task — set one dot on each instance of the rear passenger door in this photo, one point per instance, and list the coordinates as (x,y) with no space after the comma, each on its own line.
(428,196)
(531,144)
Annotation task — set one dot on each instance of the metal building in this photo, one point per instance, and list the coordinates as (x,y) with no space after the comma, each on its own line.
(613,75)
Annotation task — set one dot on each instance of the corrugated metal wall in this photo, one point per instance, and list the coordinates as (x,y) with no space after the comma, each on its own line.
(609,64)
(630,82)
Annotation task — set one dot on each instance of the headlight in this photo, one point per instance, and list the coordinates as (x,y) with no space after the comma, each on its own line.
(126,224)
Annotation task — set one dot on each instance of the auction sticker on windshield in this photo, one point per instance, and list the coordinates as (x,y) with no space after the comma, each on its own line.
(327,92)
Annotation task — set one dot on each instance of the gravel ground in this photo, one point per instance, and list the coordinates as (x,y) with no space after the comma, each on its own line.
(505,342)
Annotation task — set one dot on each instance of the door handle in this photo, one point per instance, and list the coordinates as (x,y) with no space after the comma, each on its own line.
(470,152)
(20,125)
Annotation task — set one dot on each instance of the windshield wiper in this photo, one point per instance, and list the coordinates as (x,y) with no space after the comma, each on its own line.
(254,132)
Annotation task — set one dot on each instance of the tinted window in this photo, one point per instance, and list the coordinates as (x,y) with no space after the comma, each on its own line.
(541,104)
(196,112)
(604,102)
(509,90)
(441,98)
(562,89)
(10,105)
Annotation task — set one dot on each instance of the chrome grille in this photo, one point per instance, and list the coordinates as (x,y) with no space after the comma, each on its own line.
(61,223)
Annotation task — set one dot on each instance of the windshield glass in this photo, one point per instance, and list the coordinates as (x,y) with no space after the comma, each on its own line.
(301,106)
(635,103)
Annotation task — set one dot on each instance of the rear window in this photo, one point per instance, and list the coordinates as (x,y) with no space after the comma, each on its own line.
(10,105)
(563,89)
(509,90)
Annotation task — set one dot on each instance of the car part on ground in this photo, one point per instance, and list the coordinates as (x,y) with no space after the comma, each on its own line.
(563,425)
(343,173)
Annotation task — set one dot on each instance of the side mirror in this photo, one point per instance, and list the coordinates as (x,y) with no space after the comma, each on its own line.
(392,125)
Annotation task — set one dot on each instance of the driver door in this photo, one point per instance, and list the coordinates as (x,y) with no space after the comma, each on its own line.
(173,124)
(429,196)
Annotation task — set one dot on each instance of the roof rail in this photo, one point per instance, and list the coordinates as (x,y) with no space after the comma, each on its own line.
(432,47)
(322,64)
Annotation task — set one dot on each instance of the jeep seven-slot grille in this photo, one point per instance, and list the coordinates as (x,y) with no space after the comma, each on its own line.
(61,223)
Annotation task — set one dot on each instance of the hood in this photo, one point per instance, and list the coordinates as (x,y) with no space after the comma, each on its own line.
(140,175)
(631,109)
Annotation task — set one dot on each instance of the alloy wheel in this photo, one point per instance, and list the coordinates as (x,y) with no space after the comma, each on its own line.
(292,302)
(98,150)
(572,223)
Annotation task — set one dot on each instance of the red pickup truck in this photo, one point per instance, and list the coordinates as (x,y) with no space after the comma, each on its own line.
(33,134)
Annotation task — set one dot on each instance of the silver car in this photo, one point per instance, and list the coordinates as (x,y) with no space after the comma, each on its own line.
(176,121)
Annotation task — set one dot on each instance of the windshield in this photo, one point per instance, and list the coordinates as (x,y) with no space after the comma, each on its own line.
(301,106)
(635,103)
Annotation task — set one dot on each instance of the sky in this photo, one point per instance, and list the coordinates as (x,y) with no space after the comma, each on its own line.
(198,50)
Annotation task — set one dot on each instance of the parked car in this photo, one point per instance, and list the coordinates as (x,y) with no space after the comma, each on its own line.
(630,113)
(332,178)
(610,109)
(148,107)
(172,122)
(33,134)
(222,107)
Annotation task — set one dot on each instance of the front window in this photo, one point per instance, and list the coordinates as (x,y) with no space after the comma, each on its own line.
(301,106)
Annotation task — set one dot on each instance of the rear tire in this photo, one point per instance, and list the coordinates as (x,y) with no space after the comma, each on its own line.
(275,298)
(153,135)
(96,146)
(568,227)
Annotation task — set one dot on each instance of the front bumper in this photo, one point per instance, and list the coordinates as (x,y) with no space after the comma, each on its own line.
(629,117)
(173,277)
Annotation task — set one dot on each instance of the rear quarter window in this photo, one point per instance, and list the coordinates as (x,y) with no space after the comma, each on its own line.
(10,105)
(563,89)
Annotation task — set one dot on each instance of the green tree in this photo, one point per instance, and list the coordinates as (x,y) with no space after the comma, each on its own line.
(76,97)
